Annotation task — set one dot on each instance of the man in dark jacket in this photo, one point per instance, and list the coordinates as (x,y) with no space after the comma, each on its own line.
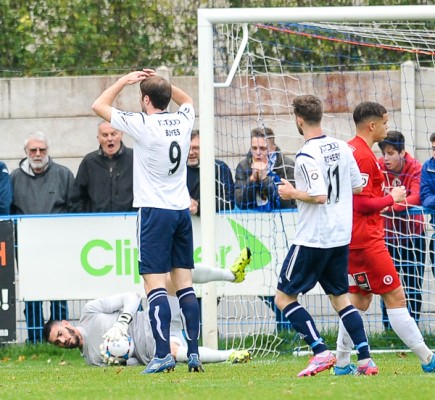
(104,181)
(41,186)
(223,180)
(258,174)
(5,190)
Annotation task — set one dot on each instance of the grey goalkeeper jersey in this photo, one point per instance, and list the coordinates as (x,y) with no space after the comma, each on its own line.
(99,315)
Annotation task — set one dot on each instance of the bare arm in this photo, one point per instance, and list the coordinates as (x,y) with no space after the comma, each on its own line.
(180,97)
(287,191)
(102,106)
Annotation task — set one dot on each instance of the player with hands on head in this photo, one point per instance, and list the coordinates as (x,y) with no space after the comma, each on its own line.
(160,152)
(371,268)
(326,176)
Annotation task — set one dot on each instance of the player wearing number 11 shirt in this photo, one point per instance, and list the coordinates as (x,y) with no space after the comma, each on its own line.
(326,176)
(164,229)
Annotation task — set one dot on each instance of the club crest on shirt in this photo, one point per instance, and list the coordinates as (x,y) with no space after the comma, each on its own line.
(388,279)
(362,281)
(365,179)
(396,182)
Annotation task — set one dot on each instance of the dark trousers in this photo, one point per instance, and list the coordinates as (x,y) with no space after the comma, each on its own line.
(432,253)
(35,318)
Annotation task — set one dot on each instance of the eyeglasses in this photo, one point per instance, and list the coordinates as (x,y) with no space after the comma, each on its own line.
(35,150)
(433,148)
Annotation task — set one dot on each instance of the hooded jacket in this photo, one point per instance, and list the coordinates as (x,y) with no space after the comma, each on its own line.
(46,193)
(409,177)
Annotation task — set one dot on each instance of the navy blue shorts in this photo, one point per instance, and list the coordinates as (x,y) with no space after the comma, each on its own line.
(305,266)
(165,240)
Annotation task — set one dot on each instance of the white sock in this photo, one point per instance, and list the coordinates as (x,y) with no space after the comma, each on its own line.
(204,274)
(406,328)
(206,354)
(344,346)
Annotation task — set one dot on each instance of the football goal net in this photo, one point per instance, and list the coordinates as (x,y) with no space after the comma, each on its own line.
(252,63)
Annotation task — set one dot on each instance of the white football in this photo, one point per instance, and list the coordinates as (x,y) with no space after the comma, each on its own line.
(122,348)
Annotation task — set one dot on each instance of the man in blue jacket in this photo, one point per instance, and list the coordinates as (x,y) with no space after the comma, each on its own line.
(427,192)
(5,190)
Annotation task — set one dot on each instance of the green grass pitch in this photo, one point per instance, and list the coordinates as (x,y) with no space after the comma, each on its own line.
(46,372)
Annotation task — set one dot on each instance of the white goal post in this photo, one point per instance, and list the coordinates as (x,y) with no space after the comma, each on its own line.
(207,19)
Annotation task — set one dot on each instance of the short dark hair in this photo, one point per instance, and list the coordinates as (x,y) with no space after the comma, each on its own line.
(194,134)
(158,89)
(432,137)
(263,132)
(367,110)
(46,330)
(394,139)
(308,107)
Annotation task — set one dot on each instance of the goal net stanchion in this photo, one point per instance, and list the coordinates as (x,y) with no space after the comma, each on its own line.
(251,64)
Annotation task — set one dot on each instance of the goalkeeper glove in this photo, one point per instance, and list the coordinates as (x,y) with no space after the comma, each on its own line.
(109,359)
(119,328)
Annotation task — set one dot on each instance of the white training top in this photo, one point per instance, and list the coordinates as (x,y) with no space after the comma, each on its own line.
(326,166)
(160,153)
(99,315)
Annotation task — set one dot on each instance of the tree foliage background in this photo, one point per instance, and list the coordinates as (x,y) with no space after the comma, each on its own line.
(88,37)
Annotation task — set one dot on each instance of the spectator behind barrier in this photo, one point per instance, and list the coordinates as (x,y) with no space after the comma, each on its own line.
(257,175)
(41,186)
(5,190)
(223,181)
(104,181)
(405,237)
(427,193)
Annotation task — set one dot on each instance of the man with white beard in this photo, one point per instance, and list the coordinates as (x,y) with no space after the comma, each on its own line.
(40,186)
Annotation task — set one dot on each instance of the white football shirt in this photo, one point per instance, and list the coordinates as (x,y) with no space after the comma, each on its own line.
(326,166)
(160,152)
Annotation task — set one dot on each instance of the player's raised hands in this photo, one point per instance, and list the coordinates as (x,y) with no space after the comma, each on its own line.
(137,76)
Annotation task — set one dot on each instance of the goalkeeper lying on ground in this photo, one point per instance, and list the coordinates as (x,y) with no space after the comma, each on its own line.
(116,315)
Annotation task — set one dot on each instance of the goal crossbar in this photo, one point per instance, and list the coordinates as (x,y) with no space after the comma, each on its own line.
(206,19)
